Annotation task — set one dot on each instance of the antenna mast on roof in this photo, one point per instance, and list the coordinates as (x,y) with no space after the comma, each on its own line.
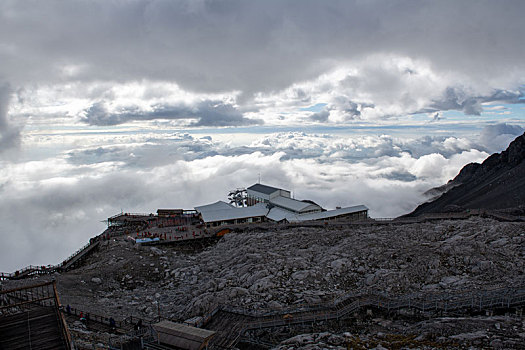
(259,178)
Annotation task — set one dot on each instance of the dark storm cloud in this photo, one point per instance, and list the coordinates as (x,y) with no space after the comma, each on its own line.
(208,113)
(220,114)
(459,100)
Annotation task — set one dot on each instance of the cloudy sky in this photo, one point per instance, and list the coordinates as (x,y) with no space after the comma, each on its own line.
(137,105)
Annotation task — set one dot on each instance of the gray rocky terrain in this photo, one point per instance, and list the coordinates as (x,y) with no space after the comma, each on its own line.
(277,268)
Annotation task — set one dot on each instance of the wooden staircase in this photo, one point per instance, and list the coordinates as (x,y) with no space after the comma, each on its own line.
(30,319)
(36,329)
(232,323)
(81,253)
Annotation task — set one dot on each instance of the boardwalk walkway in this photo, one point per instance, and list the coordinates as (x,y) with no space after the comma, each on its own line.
(30,319)
(234,323)
(78,255)
(63,266)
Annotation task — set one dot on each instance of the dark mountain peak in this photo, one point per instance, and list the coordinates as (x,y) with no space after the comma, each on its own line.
(497,183)
(466,173)
(511,157)
(515,153)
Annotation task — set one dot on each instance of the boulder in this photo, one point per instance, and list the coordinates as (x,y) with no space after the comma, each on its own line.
(96,280)
(300,275)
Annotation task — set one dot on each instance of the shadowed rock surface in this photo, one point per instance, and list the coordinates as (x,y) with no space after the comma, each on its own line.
(497,183)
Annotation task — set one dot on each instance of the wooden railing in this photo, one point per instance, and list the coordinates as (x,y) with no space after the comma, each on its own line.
(25,298)
(481,300)
(48,269)
(345,305)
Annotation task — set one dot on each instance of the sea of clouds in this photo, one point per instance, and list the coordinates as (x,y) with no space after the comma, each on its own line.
(53,203)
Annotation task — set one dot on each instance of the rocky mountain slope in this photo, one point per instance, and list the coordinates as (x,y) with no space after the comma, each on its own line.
(497,183)
(275,268)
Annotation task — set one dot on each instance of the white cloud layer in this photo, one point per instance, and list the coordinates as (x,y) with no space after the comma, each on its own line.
(51,206)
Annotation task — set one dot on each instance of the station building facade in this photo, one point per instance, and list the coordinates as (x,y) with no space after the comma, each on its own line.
(267,203)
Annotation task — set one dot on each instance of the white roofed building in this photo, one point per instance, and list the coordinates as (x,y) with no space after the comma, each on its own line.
(221,213)
(219,205)
(259,193)
(267,203)
(358,212)
(294,205)
(278,197)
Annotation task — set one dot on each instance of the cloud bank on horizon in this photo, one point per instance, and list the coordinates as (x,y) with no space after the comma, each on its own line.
(51,205)
(144,104)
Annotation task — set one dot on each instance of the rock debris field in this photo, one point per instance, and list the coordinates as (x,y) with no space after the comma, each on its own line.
(283,267)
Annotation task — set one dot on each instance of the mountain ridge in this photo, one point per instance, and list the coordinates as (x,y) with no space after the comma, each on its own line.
(497,183)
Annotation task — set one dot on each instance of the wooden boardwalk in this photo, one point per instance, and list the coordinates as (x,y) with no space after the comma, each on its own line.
(30,319)
(37,328)
(229,326)
(232,324)
(79,255)
(67,264)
